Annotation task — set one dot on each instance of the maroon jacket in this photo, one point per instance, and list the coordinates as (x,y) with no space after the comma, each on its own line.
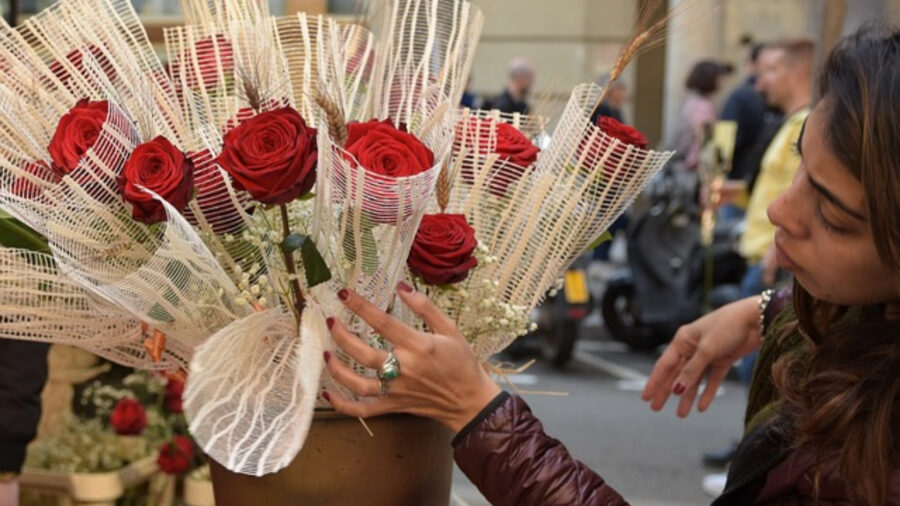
(507,455)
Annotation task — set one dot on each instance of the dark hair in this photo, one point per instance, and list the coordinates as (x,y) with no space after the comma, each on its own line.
(704,77)
(841,395)
(755,50)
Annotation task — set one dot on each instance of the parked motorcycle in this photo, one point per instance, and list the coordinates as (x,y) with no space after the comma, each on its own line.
(664,285)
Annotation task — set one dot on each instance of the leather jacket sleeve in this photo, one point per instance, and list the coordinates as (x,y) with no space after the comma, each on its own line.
(506,454)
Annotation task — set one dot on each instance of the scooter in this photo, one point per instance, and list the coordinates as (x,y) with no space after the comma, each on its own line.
(664,285)
(559,318)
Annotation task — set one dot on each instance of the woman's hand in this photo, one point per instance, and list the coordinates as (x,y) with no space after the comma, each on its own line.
(706,348)
(440,377)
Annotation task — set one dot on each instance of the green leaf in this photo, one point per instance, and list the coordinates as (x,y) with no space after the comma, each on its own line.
(15,234)
(308,196)
(314,265)
(604,237)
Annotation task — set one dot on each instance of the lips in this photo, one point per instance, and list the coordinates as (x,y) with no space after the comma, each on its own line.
(783,259)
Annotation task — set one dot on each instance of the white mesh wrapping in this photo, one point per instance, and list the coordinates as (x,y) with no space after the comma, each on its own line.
(364,223)
(425,52)
(217,69)
(202,12)
(545,216)
(252,388)
(323,56)
(38,303)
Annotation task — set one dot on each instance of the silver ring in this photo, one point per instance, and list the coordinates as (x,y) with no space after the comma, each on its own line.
(389,371)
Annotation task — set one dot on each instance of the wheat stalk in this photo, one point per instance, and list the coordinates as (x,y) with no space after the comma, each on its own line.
(337,127)
(442,192)
(647,34)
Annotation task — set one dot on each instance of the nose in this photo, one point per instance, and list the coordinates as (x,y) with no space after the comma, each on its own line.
(787,212)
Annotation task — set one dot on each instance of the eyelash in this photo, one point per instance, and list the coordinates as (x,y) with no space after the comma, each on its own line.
(828,226)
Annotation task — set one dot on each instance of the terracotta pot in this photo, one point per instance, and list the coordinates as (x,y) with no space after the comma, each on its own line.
(408,461)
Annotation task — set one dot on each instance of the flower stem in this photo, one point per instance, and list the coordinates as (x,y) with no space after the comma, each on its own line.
(299,298)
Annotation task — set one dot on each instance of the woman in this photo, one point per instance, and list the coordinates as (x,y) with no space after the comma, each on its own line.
(823,424)
(698,113)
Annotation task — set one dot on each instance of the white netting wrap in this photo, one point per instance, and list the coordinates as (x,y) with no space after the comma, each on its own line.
(38,303)
(542,216)
(364,222)
(328,58)
(252,388)
(226,73)
(425,53)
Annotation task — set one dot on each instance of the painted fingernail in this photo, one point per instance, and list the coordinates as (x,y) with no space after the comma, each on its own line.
(327,355)
(679,389)
(330,322)
(344,294)
(403,287)
(326,396)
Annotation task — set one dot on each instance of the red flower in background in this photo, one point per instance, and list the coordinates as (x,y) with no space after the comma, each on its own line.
(25,187)
(76,133)
(442,252)
(128,417)
(512,147)
(161,168)
(76,59)
(600,145)
(624,133)
(211,54)
(272,156)
(175,456)
(173,395)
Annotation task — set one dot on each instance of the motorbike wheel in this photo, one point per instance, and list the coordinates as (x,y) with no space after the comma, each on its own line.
(623,321)
(558,343)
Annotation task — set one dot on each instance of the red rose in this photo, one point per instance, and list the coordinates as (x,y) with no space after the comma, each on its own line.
(386,153)
(128,417)
(175,456)
(385,150)
(76,133)
(512,146)
(161,168)
(173,395)
(271,156)
(76,59)
(442,250)
(208,51)
(26,187)
(624,133)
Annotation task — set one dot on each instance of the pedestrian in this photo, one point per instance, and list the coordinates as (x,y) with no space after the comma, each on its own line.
(514,97)
(698,113)
(757,123)
(785,80)
(613,102)
(823,423)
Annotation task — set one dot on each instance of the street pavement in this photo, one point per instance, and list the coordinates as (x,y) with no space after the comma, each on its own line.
(653,459)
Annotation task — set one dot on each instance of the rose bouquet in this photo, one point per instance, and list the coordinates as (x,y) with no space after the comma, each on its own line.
(202,216)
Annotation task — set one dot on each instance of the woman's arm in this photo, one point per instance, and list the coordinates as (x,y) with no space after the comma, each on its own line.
(506,454)
(500,444)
